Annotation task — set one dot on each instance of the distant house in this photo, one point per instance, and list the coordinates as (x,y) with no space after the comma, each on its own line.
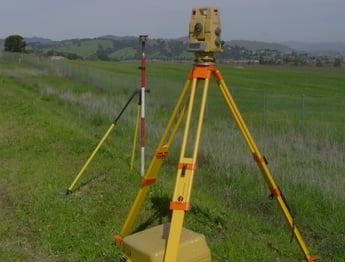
(56,57)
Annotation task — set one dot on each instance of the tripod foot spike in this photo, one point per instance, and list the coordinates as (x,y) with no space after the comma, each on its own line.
(68,192)
(314,258)
(118,239)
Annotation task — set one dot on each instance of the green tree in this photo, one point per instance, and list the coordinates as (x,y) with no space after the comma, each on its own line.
(319,63)
(15,43)
(261,60)
(337,62)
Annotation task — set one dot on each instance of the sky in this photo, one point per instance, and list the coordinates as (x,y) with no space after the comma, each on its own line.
(259,20)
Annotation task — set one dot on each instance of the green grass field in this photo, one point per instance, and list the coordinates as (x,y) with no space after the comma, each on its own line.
(53,115)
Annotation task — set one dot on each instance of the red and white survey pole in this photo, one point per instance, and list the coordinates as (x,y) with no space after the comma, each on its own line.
(143,39)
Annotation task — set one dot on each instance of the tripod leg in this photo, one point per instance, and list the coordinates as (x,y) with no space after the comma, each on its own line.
(261,161)
(185,175)
(156,162)
(69,190)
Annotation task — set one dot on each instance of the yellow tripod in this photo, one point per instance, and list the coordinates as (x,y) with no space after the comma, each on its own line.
(188,163)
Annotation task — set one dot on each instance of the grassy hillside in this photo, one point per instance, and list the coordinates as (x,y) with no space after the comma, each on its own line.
(52,118)
(84,48)
(257,45)
(128,48)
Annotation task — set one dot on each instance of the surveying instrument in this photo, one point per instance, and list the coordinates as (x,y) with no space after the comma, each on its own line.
(172,242)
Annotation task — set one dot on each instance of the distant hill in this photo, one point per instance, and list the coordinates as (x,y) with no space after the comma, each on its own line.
(111,47)
(127,47)
(36,39)
(118,38)
(257,45)
(330,47)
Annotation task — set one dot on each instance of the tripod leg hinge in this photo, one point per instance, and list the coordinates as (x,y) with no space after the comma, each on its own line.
(260,159)
(161,153)
(148,181)
(177,205)
(275,191)
(118,239)
(186,166)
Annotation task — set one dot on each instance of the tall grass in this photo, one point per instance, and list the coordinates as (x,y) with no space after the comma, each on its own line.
(270,99)
(51,124)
